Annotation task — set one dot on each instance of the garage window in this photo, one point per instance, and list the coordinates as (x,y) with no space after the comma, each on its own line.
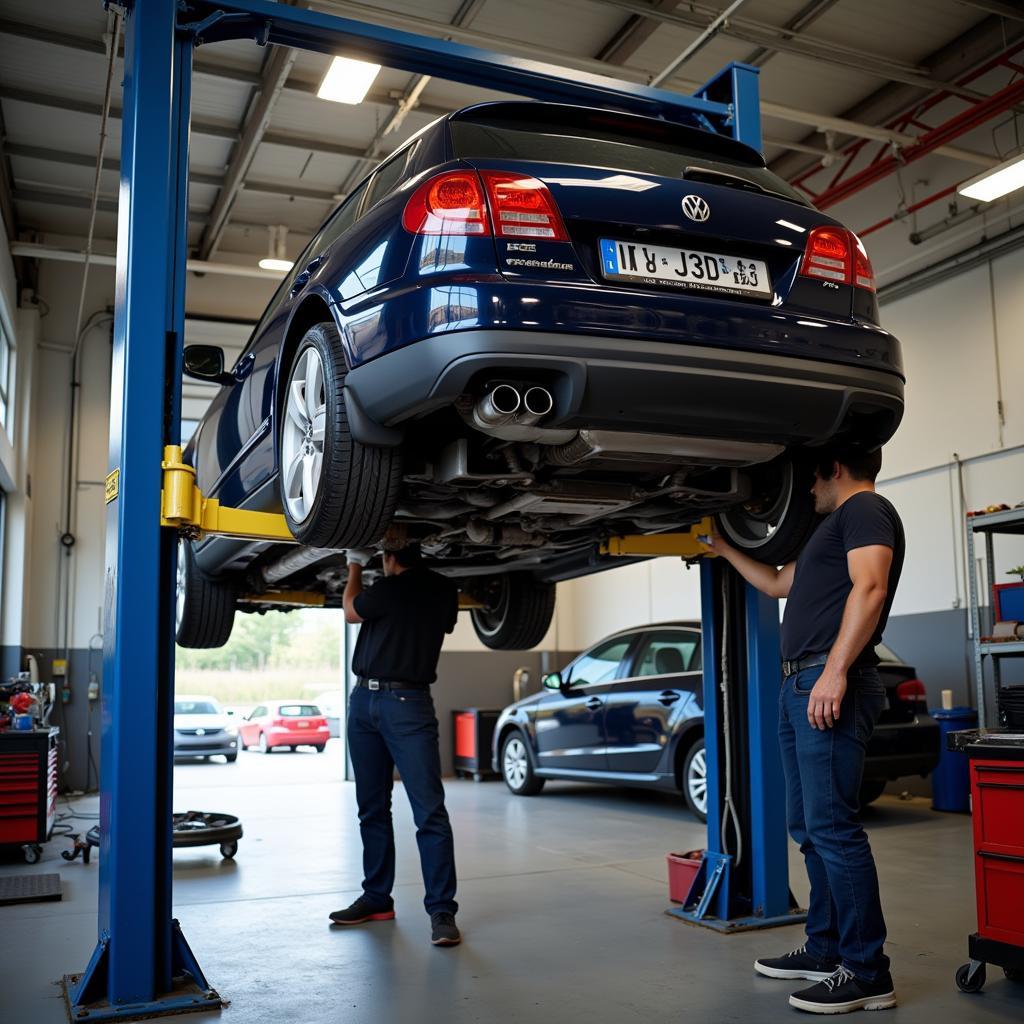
(669,652)
(6,361)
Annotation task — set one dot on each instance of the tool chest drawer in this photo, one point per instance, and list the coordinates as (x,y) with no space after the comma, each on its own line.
(28,786)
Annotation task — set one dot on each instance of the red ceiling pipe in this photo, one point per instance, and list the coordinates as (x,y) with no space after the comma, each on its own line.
(964,122)
(913,208)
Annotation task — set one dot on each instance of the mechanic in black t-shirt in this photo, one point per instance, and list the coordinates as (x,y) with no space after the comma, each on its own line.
(391,724)
(839,591)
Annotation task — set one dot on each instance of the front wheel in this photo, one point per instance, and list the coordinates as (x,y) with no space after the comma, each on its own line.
(265,747)
(517,768)
(516,612)
(336,492)
(778,520)
(694,779)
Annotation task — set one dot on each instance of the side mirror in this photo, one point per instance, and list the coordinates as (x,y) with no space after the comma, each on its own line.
(553,681)
(206,363)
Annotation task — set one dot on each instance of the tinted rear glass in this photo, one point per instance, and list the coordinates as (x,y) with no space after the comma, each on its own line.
(614,148)
(299,710)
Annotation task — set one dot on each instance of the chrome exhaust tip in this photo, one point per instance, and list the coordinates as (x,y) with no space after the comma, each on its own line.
(499,405)
(538,401)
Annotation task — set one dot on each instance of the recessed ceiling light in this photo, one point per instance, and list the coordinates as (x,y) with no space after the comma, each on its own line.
(995,183)
(347,80)
(270,263)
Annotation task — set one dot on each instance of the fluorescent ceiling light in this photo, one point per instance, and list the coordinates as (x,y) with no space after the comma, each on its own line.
(347,80)
(995,183)
(270,263)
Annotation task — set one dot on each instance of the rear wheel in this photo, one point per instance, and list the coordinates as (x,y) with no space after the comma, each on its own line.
(265,747)
(775,524)
(204,608)
(517,611)
(320,748)
(694,780)
(336,492)
(517,768)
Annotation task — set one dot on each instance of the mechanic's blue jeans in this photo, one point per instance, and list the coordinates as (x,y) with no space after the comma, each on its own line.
(398,729)
(823,772)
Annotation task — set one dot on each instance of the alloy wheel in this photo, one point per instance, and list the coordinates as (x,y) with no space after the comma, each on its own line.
(515,764)
(697,781)
(181,582)
(302,436)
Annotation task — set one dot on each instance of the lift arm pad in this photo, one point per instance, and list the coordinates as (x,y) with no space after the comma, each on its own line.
(662,545)
(183,507)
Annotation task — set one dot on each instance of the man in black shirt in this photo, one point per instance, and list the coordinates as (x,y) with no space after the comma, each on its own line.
(839,591)
(391,723)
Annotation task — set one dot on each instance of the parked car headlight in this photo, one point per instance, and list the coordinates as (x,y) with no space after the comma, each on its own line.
(231,730)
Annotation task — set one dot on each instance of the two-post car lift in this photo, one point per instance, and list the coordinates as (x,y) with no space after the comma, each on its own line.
(142,965)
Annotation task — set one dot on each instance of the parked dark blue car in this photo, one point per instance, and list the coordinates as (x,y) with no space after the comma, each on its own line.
(532,327)
(630,711)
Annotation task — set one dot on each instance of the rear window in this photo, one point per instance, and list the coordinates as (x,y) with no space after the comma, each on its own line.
(195,707)
(298,710)
(617,146)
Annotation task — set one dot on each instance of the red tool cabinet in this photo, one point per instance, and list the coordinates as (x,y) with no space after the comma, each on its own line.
(997,805)
(28,788)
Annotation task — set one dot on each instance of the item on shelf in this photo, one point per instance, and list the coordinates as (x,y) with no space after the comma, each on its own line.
(1010,702)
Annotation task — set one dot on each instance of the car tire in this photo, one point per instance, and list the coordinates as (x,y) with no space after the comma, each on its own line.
(693,779)
(231,758)
(335,492)
(777,522)
(265,747)
(871,790)
(204,607)
(320,748)
(517,611)
(517,766)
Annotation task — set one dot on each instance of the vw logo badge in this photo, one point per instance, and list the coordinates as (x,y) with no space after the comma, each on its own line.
(696,208)
(200,732)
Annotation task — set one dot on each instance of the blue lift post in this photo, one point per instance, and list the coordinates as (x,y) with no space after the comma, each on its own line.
(141,965)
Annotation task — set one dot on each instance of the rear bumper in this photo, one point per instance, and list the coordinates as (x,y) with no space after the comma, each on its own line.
(904,749)
(625,384)
(297,737)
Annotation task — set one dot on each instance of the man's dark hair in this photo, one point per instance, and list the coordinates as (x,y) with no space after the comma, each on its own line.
(860,463)
(408,556)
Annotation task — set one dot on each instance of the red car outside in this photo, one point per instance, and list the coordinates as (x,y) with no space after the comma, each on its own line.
(284,723)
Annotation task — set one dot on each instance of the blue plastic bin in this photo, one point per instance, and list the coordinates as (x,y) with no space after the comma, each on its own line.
(951,780)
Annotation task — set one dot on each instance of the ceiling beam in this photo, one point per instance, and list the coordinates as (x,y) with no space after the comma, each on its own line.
(276,69)
(635,31)
(996,7)
(806,16)
(195,175)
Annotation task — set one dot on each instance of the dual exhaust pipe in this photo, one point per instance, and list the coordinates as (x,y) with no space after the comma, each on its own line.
(507,403)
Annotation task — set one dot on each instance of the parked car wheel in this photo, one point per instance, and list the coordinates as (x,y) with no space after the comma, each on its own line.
(778,521)
(336,492)
(517,768)
(231,758)
(517,611)
(694,778)
(871,790)
(320,748)
(204,608)
(265,747)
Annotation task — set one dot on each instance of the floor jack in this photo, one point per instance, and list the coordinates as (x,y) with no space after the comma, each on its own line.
(743,880)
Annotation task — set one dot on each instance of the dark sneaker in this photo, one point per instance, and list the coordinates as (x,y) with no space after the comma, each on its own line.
(843,993)
(443,930)
(798,964)
(363,910)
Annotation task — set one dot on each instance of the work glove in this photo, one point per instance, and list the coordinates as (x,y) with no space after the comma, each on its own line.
(358,556)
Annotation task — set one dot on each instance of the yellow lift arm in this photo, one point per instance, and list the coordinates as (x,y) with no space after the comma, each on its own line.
(183,507)
(662,545)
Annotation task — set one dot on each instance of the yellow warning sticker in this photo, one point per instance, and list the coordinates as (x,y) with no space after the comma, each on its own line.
(113,480)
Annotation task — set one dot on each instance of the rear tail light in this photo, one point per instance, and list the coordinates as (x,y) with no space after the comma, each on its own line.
(912,692)
(450,204)
(279,723)
(835,254)
(523,207)
(319,723)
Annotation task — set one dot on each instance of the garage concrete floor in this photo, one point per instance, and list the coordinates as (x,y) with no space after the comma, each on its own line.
(563,900)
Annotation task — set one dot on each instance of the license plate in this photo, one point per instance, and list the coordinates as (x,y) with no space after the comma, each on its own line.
(690,269)
(303,725)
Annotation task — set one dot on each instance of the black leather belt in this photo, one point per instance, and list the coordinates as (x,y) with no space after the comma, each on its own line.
(386,685)
(790,668)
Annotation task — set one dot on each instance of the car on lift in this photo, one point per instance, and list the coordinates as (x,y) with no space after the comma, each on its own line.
(532,327)
(285,724)
(202,728)
(630,711)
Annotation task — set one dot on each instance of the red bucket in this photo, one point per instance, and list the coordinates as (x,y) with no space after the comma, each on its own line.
(682,870)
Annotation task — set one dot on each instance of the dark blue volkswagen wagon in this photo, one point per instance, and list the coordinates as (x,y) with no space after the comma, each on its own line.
(532,327)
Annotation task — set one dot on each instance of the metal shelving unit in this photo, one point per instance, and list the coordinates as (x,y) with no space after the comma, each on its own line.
(1010,521)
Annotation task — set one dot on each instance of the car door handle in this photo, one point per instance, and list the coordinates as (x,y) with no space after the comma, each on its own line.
(594,703)
(668,697)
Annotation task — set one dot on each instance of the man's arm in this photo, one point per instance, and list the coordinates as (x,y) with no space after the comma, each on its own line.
(770,581)
(353,588)
(869,573)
